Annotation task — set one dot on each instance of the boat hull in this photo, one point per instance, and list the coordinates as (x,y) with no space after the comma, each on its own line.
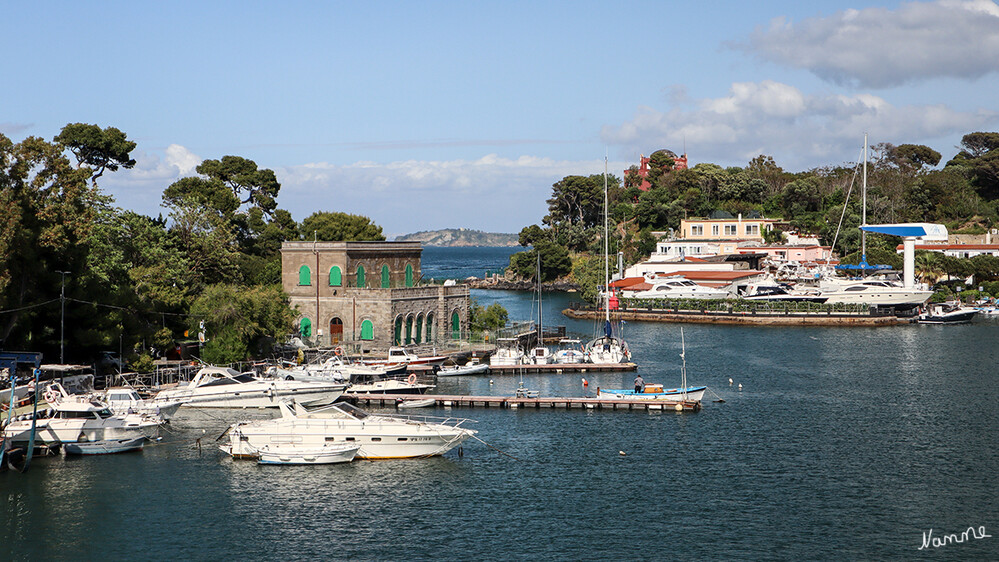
(266,398)
(689,394)
(301,456)
(58,431)
(106,447)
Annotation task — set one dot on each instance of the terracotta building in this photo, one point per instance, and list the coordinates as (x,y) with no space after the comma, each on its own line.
(679,163)
(369,293)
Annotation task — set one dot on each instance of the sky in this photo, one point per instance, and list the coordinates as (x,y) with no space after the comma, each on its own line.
(448,114)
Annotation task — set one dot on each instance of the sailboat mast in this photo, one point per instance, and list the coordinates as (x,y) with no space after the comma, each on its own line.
(606,251)
(863,209)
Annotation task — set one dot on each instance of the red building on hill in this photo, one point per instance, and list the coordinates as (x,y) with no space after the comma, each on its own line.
(679,163)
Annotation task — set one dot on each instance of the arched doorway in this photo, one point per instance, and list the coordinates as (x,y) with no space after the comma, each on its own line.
(418,332)
(455,326)
(305,328)
(409,330)
(430,328)
(367,330)
(398,331)
(336,331)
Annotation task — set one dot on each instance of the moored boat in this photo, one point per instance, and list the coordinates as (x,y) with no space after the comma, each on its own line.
(104,447)
(221,387)
(947,313)
(295,455)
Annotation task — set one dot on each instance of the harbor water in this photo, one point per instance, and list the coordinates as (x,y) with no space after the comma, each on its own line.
(842,443)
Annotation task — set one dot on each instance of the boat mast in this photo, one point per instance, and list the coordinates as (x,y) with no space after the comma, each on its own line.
(863,210)
(540,314)
(683,365)
(606,251)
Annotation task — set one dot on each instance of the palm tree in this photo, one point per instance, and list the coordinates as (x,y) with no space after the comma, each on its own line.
(929,267)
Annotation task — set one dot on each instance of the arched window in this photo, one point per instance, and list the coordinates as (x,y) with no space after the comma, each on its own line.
(409,330)
(430,328)
(418,332)
(409,275)
(398,331)
(455,326)
(367,330)
(336,278)
(304,275)
(385,277)
(360,276)
(305,328)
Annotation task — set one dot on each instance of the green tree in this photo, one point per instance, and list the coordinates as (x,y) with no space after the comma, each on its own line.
(96,148)
(258,187)
(334,226)
(240,322)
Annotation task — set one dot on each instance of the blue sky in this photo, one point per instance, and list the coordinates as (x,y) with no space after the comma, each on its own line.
(426,115)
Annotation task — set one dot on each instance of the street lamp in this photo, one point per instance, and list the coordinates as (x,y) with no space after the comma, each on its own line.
(62,316)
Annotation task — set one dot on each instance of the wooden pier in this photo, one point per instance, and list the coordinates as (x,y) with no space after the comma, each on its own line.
(554,402)
(553,368)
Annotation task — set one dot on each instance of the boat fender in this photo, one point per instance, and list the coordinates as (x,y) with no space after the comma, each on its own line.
(411,378)
(289,378)
(270,392)
(586,382)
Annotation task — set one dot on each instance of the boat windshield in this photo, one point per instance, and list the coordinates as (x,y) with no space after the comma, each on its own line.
(352,410)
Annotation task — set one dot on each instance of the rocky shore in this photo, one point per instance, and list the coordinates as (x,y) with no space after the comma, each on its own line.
(501,283)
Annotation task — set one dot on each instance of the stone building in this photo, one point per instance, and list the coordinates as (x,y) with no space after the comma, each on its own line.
(369,293)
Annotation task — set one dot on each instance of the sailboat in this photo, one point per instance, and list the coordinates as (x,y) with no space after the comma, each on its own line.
(872,290)
(607,349)
(540,355)
(655,391)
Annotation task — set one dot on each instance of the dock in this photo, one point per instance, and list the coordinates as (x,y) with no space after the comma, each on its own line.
(514,402)
(552,368)
(784,318)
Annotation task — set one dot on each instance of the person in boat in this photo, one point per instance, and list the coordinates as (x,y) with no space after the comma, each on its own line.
(639,384)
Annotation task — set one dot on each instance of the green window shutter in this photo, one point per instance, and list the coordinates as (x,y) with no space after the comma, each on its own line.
(336,278)
(367,330)
(305,328)
(455,326)
(409,330)
(304,275)
(398,331)
(385,277)
(419,329)
(430,328)
(409,275)
(360,276)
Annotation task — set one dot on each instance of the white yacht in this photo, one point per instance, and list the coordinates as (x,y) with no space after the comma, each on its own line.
(678,288)
(607,349)
(221,387)
(78,418)
(508,353)
(570,352)
(875,292)
(124,400)
(397,354)
(380,436)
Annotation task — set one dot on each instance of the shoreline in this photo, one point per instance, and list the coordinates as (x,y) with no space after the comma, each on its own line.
(746,319)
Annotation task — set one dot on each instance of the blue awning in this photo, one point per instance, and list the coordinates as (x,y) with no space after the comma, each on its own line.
(903,230)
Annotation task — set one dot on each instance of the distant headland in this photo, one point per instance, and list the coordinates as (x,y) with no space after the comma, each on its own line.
(456,237)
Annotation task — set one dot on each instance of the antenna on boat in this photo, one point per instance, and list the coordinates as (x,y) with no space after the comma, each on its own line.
(863,211)
(606,248)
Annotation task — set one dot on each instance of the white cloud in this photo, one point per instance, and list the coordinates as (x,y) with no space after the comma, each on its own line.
(878,48)
(800,130)
(182,158)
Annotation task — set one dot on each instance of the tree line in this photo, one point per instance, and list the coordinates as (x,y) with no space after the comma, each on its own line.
(137,282)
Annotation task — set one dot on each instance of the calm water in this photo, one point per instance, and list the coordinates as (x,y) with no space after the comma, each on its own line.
(842,444)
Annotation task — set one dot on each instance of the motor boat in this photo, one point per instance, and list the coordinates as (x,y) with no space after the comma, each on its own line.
(420,403)
(80,418)
(678,287)
(127,400)
(377,384)
(222,387)
(872,291)
(106,447)
(398,354)
(508,352)
(381,436)
(460,370)
(335,368)
(292,454)
(540,355)
(947,313)
(780,292)
(570,352)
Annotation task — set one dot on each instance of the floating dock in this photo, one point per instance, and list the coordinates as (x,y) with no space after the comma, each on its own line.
(555,402)
(746,318)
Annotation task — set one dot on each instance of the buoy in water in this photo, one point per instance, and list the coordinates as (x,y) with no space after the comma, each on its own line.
(678,407)
(622,453)
(740,386)
(490,381)
(730,381)
(586,382)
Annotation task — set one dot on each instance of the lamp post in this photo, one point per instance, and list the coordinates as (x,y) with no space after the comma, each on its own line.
(62,316)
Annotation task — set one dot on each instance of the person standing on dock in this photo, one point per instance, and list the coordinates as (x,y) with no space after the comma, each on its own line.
(639,384)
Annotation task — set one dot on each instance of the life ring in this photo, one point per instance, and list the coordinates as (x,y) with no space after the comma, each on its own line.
(338,351)
(412,378)
(50,396)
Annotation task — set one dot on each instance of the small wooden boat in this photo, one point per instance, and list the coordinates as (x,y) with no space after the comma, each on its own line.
(105,447)
(460,370)
(419,403)
(327,454)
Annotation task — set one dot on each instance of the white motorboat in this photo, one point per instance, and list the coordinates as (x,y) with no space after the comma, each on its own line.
(397,354)
(570,352)
(508,352)
(421,403)
(779,292)
(460,370)
(874,292)
(106,447)
(410,384)
(335,367)
(221,387)
(127,401)
(380,436)
(290,454)
(654,391)
(678,287)
(78,418)
(947,313)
